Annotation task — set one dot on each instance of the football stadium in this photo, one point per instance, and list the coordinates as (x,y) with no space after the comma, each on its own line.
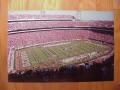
(51,46)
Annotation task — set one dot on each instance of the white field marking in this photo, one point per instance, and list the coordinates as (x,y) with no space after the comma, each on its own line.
(25,60)
(22,47)
(11,60)
(80,57)
(56,44)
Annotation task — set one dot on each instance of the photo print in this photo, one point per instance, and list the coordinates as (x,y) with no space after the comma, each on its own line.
(60,46)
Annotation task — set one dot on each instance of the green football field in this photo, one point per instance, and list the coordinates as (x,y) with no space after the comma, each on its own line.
(58,51)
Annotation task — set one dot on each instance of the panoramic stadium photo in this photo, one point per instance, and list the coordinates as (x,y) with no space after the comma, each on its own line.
(60,46)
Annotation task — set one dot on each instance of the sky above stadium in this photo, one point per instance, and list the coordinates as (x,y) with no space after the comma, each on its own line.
(80,15)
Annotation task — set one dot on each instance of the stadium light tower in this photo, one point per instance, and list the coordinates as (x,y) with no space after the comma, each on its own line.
(78,15)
